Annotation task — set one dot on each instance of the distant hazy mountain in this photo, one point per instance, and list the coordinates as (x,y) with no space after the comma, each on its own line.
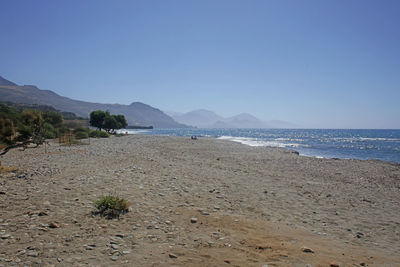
(136,113)
(208,119)
(200,118)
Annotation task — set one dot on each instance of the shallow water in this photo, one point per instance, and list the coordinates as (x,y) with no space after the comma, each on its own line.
(326,143)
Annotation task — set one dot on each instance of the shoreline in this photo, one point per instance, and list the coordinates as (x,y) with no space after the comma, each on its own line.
(278,147)
(345,144)
(248,201)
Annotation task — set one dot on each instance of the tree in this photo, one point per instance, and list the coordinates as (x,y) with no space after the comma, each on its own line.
(110,123)
(29,131)
(22,128)
(97,119)
(104,120)
(7,131)
(53,117)
(121,120)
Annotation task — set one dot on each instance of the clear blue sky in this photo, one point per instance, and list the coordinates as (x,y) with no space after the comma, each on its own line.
(328,64)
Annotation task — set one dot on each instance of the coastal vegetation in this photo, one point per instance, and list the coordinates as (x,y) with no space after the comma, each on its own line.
(104,120)
(23,126)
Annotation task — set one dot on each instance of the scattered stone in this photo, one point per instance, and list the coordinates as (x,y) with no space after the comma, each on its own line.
(170,235)
(119,235)
(114,257)
(59,259)
(114,246)
(172,256)
(205,213)
(2,193)
(32,253)
(363,264)
(21,252)
(307,250)
(193,220)
(227,261)
(53,225)
(7,236)
(126,252)
(43,213)
(334,264)
(359,234)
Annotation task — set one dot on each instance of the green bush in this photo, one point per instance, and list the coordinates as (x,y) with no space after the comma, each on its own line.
(81,135)
(111,206)
(82,129)
(49,131)
(99,134)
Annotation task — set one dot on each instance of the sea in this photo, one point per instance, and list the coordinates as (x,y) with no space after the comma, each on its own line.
(322,143)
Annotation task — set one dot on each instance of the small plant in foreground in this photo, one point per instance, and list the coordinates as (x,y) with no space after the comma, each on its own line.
(111,206)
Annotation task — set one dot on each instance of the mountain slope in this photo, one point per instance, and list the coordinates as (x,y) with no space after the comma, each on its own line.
(6,82)
(136,113)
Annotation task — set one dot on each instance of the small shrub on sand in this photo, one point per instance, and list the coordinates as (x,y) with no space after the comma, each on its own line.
(98,134)
(111,206)
(81,135)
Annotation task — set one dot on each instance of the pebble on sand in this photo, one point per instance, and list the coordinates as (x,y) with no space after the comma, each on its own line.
(193,220)
(114,258)
(307,250)
(7,236)
(53,225)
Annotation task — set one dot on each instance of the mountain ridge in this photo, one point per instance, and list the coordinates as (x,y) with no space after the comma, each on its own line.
(137,113)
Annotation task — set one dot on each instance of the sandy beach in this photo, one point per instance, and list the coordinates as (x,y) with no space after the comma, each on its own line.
(203,202)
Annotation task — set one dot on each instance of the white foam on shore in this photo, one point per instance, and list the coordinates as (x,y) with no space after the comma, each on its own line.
(356,139)
(130,131)
(379,139)
(256,142)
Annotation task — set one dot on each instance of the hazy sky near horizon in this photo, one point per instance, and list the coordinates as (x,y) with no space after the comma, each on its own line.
(318,64)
